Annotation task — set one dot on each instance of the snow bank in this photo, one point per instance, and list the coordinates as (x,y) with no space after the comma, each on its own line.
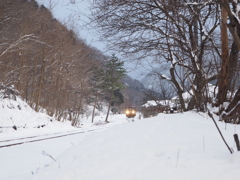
(16,113)
(169,147)
(161,102)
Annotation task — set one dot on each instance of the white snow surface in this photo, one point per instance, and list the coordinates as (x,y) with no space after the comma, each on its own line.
(151,103)
(184,146)
(18,113)
(169,147)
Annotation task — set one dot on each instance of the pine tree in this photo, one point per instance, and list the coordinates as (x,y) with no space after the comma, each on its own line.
(107,80)
(97,84)
(114,72)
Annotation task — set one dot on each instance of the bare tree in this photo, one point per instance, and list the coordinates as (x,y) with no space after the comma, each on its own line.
(178,32)
(46,62)
(230,21)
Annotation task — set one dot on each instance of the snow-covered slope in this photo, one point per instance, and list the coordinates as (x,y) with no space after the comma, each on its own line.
(16,113)
(168,147)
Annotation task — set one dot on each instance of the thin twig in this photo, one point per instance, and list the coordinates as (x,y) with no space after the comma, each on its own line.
(46,154)
(211,116)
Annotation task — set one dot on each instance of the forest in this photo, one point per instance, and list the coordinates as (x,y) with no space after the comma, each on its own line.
(196,42)
(45,62)
(53,69)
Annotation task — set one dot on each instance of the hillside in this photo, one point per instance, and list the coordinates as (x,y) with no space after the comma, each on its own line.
(169,146)
(45,61)
(19,119)
(134,92)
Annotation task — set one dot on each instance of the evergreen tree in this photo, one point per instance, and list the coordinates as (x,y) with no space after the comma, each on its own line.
(114,72)
(117,97)
(97,84)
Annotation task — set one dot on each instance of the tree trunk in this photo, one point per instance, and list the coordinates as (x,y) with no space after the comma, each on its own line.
(94,107)
(233,110)
(233,63)
(179,89)
(109,106)
(223,80)
(40,87)
(191,103)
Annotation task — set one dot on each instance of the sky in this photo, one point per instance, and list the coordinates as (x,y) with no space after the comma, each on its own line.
(73,15)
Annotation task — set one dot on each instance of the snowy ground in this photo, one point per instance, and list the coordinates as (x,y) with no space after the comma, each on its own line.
(170,146)
(177,146)
(23,161)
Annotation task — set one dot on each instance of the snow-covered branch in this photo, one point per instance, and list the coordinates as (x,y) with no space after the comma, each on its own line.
(163,76)
(17,43)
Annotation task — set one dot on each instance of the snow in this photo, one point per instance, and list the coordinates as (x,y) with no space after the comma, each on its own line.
(151,103)
(211,93)
(174,61)
(20,162)
(165,77)
(169,146)
(177,146)
(19,114)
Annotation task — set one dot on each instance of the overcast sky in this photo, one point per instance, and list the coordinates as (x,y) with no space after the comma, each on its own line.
(72,14)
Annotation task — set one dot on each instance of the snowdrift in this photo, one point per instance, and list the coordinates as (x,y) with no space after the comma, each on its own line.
(169,147)
(16,115)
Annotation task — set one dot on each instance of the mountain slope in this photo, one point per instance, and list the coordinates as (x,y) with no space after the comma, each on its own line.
(18,117)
